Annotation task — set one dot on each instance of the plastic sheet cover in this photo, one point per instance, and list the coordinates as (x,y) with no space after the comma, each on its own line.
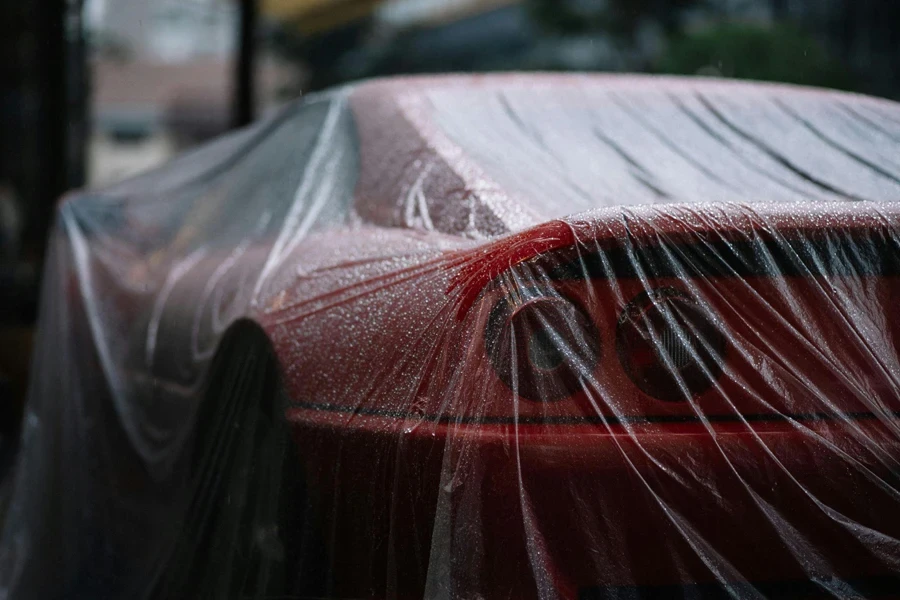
(511,336)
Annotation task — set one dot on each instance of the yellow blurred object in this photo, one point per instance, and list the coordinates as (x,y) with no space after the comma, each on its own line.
(314,16)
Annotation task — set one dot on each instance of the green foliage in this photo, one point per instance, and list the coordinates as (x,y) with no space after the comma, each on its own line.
(780,53)
(557,17)
(612,17)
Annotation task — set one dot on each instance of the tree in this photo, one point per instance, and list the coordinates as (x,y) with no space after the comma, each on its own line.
(781,53)
(619,18)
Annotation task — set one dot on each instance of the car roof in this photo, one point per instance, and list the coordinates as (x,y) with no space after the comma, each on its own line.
(508,151)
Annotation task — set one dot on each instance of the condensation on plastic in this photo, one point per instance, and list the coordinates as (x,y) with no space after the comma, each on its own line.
(479,337)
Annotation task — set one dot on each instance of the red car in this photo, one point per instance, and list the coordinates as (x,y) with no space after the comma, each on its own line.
(534,336)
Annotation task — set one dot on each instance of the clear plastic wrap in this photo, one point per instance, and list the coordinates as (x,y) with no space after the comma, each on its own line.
(574,337)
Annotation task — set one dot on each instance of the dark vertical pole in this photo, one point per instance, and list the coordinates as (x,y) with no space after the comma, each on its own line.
(244,90)
(77,88)
(61,126)
(50,170)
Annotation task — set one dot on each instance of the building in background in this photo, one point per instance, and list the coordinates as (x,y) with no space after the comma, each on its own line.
(166,30)
(145,111)
(163,80)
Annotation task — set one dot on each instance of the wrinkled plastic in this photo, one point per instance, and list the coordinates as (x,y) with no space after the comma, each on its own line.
(489,337)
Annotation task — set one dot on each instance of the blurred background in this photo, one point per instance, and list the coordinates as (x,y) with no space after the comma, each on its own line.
(94,91)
